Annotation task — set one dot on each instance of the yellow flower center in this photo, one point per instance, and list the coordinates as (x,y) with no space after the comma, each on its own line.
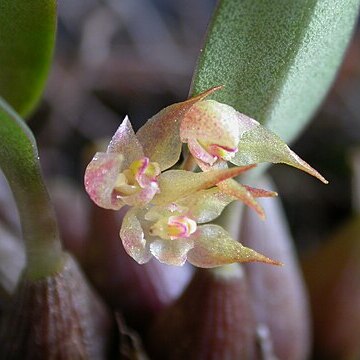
(141,174)
(174,227)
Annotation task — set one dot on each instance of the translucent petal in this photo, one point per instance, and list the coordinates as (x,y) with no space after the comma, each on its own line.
(240,192)
(214,247)
(212,122)
(260,192)
(100,179)
(171,252)
(142,197)
(206,205)
(261,145)
(125,142)
(175,184)
(132,237)
(160,136)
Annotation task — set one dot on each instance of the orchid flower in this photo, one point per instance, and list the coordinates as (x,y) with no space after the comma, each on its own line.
(171,208)
(123,175)
(174,233)
(217,133)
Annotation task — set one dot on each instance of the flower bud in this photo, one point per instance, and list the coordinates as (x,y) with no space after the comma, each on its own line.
(58,317)
(213,319)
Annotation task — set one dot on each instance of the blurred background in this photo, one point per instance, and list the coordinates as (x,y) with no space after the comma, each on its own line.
(134,57)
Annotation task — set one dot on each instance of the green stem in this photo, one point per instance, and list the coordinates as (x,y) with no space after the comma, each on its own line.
(19,161)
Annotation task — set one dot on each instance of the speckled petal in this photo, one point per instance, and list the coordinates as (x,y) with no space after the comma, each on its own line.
(260,192)
(125,142)
(240,192)
(142,197)
(171,252)
(206,205)
(160,136)
(214,247)
(215,123)
(132,237)
(175,184)
(261,145)
(100,178)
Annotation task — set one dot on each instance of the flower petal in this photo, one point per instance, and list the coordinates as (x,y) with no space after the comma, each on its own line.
(215,123)
(240,192)
(142,197)
(261,145)
(132,237)
(214,247)
(175,184)
(126,143)
(260,192)
(160,136)
(206,205)
(171,252)
(100,179)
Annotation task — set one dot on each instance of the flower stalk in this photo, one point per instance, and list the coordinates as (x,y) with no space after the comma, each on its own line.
(19,160)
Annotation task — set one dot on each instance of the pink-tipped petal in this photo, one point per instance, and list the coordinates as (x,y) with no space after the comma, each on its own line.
(176,184)
(132,237)
(261,145)
(160,136)
(206,205)
(213,130)
(199,153)
(126,143)
(215,247)
(100,178)
(260,192)
(171,252)
(240,192)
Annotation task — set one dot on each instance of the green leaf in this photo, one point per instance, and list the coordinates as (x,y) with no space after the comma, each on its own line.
(19,160)
(27,38)
(277,59)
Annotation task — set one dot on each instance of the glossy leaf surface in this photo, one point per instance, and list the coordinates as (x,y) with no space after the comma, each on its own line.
(27,38)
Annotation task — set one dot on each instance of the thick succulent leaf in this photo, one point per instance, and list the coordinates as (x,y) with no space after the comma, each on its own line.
(100,178)
(126,143)
(206,205)
(132,237)
(19,161)
(160,136)
(176,184)
(214,247)
(261,145)
(276,59)
(27,38)
(240,192)
(171,252)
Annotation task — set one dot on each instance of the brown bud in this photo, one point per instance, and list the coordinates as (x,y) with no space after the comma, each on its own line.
(278,295)
(58,317)
(332,273)
(211,320)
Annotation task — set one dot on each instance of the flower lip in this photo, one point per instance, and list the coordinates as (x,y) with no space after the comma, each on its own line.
(173,227)
(138,184)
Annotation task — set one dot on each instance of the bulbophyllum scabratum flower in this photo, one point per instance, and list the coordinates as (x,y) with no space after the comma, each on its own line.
(171,209)
(179,231)
(216,133)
